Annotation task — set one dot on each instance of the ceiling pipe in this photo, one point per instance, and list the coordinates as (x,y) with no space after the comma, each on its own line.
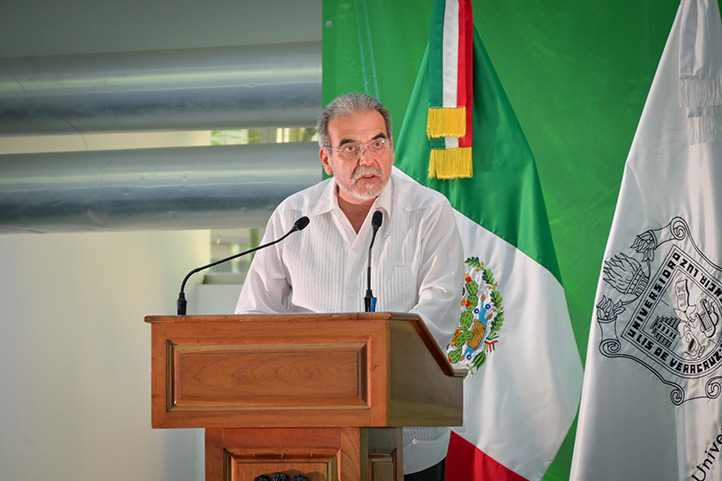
(192,89)
(171,188)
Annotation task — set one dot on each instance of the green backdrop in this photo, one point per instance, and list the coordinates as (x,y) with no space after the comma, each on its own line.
(577,74)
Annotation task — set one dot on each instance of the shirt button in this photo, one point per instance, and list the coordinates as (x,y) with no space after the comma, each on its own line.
(413,441)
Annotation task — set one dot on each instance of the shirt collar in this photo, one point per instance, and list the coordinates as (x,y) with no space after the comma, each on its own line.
(327,201)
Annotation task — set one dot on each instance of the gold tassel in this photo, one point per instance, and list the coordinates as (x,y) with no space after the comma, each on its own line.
(446,122)
(453,163)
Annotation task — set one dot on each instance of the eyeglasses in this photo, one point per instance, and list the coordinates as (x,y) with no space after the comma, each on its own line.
(353,150)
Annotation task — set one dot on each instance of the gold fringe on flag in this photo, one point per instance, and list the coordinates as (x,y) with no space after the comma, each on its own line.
(446,122)
(455,163)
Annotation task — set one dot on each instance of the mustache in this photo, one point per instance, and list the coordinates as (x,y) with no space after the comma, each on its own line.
(362,171)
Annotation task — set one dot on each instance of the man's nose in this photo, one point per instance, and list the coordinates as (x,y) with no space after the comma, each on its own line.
(365,157)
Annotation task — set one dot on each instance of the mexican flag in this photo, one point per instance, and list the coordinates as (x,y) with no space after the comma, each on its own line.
(651,405)
(514,336)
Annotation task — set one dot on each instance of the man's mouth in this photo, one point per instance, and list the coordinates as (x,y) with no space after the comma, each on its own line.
(366,174)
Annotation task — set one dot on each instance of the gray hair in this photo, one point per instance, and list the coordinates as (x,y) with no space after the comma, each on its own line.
(348,104)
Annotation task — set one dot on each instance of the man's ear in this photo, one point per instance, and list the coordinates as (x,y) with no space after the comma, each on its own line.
(325,161)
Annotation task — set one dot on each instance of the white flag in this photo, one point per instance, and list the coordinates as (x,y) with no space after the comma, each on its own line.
(651,406)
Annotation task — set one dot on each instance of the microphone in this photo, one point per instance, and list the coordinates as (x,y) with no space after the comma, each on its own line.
(370,300)
(181,303)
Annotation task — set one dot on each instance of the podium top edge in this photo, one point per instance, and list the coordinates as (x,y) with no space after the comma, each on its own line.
(230,318)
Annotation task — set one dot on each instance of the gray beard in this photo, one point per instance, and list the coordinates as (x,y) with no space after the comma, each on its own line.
(361,193)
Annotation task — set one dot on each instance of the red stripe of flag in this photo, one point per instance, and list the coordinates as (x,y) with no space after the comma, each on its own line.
(465,87)
(465,462)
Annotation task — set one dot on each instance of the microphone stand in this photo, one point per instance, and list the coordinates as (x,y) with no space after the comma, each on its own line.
(369,299)
(181,303)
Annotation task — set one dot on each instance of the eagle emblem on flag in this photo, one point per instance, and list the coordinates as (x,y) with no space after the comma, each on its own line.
(482,315)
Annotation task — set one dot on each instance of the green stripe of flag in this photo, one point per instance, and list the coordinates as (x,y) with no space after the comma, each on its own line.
(436,37)
(504,195)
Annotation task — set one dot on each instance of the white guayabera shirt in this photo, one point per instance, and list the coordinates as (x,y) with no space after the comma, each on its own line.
(416,266)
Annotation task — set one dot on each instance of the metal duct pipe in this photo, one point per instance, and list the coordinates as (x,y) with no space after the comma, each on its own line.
(144,189)
(198,89)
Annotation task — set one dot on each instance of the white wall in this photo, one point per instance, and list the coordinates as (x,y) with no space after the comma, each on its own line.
(214,299)
(75,355)
(74,350)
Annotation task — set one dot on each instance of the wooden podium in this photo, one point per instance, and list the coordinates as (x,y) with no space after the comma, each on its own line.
(321,395)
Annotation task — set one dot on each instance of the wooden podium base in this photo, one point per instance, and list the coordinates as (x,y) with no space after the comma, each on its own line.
(319,454)
(318,395)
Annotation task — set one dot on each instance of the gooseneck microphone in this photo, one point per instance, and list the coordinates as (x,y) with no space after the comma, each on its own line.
(370,300)
(181,303)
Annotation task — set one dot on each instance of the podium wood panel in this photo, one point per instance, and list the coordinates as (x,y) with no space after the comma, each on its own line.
(300,370)
(238,376)
(320,454)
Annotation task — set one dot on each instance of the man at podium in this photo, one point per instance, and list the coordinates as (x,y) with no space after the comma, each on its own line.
(372,229)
